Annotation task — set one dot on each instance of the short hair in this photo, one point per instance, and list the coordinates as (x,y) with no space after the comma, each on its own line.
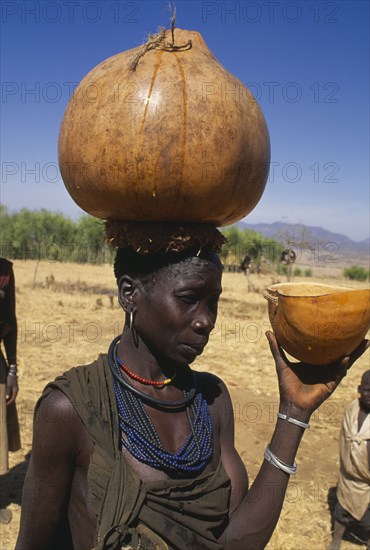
(365,378)
(143,267)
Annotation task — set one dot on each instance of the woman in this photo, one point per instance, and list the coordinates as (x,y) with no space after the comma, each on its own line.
(137,450)
(9,428)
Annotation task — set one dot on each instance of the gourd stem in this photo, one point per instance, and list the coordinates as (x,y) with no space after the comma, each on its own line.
(173,18)
(158,41)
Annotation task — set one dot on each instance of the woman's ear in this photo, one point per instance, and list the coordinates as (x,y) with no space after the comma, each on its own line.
(127,291)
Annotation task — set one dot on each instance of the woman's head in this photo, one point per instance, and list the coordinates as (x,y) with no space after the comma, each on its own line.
(173,299)
(147,268)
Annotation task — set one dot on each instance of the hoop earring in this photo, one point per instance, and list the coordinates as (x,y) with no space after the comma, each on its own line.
(135,336)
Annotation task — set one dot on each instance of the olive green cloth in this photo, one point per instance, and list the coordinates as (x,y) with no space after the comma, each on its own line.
(186,514)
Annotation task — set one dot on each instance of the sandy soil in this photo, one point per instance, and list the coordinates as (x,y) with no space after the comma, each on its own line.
(69,320)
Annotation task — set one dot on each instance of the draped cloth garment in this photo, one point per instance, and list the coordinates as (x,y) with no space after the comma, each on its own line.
(10,439)
(184,513)
(9,426)
(353,490)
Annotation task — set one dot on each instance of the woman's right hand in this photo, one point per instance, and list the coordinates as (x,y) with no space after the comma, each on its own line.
(305,386)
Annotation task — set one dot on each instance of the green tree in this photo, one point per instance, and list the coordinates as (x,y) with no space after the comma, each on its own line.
(241,242)
(90,241)
(356,273)
(40,235)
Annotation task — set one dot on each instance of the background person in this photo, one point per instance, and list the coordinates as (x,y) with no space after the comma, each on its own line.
(353,491)
(9,427)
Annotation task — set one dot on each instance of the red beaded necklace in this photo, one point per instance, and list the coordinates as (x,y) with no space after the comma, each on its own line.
(145,380)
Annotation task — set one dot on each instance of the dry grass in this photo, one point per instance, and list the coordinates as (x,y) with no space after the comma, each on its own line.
(72,320)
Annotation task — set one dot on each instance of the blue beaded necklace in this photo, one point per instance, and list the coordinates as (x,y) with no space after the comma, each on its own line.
(140,438)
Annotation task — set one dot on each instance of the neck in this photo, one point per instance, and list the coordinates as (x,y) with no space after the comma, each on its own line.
(140,360)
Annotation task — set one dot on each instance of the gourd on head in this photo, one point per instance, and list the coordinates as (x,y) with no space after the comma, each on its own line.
(179,139)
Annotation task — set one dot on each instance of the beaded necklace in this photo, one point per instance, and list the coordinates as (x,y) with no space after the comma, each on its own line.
(140,438)
(158,384)
(153,401)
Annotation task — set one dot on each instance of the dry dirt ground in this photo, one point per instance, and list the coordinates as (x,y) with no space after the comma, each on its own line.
(66,318)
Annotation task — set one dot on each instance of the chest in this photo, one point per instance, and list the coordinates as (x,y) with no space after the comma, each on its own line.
(172,429)
(362,416)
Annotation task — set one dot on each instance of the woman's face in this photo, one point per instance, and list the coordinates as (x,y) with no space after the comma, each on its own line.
(176,317)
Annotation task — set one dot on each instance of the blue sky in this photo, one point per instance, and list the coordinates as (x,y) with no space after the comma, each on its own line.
(307,63)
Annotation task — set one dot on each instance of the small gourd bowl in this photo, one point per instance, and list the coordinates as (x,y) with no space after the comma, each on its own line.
(318,323)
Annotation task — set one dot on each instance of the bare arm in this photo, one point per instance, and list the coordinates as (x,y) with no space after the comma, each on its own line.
(10,338)
(49,476)
(302,390)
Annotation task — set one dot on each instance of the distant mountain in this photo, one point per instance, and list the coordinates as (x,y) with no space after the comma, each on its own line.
(311,236)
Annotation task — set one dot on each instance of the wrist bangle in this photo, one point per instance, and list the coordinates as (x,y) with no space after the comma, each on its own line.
(273,459)
(12,371)
(303,425)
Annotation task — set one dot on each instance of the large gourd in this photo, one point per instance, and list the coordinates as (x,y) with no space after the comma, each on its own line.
(177,139)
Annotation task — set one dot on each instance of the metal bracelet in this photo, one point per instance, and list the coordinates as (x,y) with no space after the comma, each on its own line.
(273,459)
(303,425)
(12,373)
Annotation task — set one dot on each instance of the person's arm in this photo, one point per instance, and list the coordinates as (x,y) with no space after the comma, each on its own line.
(50,473)
(302,389)
(10,340)
(362,415)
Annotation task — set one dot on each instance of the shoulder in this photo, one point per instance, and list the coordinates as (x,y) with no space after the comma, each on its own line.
(6,263)
(59,435)
(54,410)
(350,416)
(80,396)
(352,407)
(6,273)
(6,267)
(54,399)
(215,391)
(211,385)
(76,379)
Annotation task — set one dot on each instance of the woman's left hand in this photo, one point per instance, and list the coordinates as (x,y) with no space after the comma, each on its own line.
(308,386)
(11,388)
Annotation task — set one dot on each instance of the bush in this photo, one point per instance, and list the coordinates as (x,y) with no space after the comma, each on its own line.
(356,273)
(297,272)
(282,269)
(44,235)
(308,272)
